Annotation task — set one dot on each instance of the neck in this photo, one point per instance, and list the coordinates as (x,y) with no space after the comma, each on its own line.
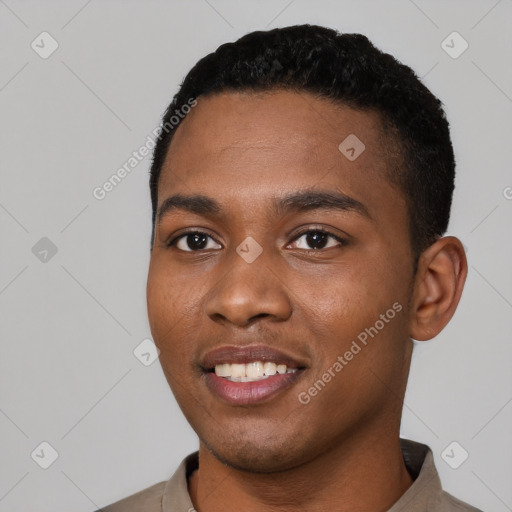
(364,472)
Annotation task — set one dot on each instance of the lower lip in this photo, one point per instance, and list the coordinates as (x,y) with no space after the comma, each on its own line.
(244,393)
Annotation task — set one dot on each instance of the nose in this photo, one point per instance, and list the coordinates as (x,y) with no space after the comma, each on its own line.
(247,292)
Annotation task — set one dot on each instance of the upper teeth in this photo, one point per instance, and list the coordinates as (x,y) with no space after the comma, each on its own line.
(250,372)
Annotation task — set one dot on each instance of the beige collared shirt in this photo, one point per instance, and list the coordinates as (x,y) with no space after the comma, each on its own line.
(424,495)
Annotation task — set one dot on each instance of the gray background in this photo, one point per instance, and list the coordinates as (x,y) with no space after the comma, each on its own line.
(69,325)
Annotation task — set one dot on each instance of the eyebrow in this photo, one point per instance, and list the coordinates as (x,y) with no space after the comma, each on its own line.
(293,202)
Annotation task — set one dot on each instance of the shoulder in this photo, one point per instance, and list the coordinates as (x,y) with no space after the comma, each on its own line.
(168,495)
(448,503)
(147,500)
(426,492)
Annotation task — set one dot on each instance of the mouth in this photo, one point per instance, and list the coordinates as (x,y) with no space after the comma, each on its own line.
(251,374)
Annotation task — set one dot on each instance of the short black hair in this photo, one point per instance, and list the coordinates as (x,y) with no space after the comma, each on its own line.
(350,70)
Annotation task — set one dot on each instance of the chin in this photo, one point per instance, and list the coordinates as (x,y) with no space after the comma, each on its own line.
(247,460)
(259,453)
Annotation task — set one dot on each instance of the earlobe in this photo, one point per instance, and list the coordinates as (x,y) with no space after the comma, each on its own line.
(442,271)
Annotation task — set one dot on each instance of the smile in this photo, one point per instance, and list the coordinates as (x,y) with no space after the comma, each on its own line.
(251,372)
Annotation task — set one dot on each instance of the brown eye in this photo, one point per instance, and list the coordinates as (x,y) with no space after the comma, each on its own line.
(317,239)
(194,241)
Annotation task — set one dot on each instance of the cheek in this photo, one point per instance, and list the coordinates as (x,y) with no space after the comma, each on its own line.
(341,299)
(364,301)
(167,291)
(166,308)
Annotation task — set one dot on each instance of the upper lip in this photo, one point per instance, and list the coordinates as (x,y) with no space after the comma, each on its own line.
(246,354)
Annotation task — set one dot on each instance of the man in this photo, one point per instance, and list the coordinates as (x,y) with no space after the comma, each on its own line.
(301,187)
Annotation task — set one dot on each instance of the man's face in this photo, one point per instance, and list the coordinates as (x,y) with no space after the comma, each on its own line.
(309,295)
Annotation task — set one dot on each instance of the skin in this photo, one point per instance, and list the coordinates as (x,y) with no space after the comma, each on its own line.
(341,450)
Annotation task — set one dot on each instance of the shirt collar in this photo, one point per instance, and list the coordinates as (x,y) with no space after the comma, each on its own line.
(426,487)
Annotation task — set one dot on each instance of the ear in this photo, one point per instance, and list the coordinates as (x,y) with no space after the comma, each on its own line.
(438,285)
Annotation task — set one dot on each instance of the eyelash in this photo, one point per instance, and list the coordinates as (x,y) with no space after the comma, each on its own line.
(342,242)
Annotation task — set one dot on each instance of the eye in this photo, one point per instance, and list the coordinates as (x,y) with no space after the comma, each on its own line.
(193,241)
(317,239)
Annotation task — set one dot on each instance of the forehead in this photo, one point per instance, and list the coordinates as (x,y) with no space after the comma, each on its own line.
(297,122)
(250,146)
